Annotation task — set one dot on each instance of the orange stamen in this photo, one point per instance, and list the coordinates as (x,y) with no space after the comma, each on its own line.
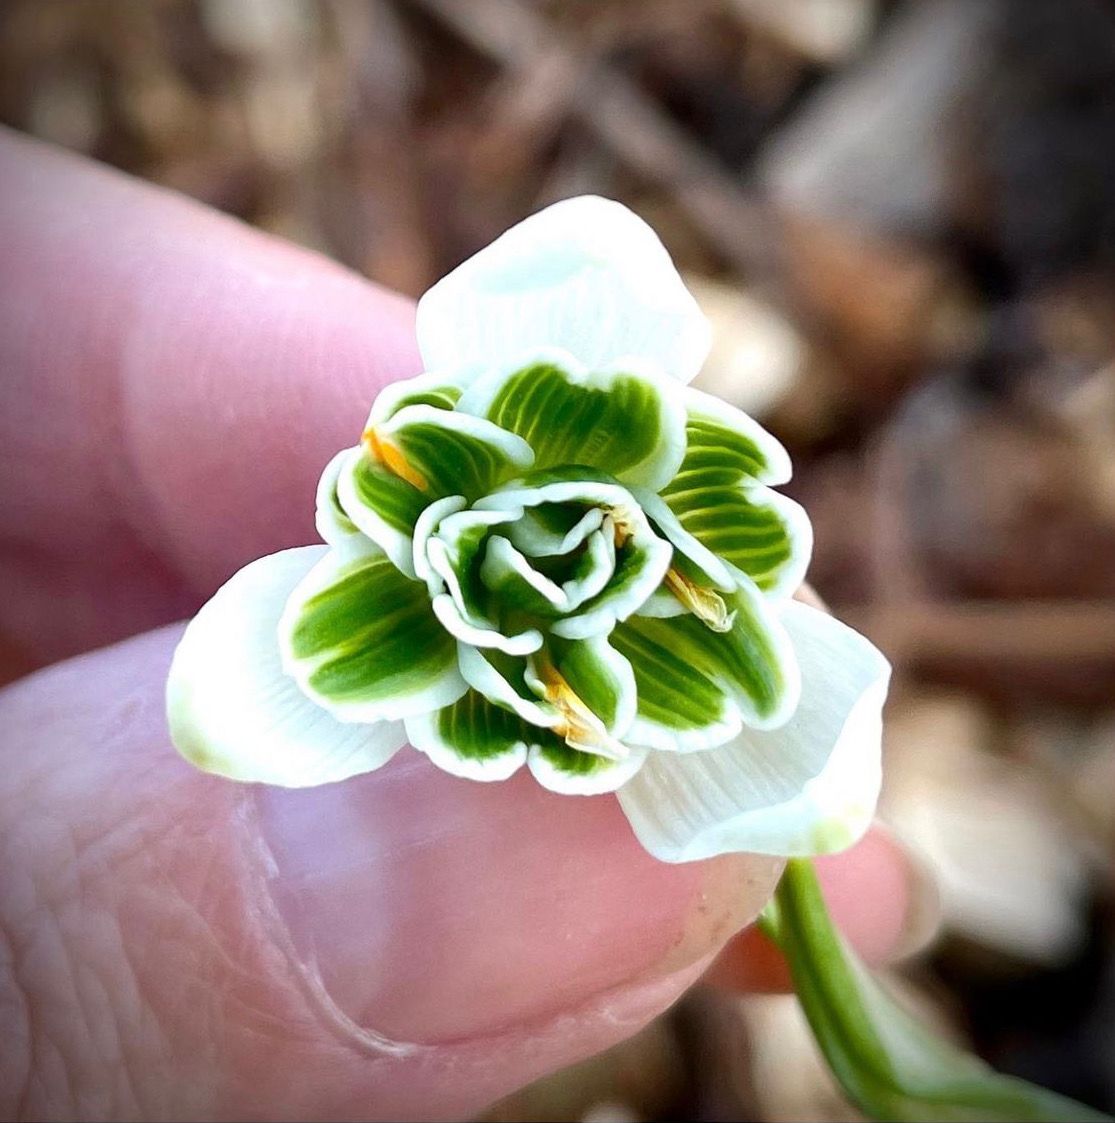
(392,458)
(706,604)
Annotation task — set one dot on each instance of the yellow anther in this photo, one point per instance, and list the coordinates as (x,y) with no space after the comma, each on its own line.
(392,458)
(580,728)
(706,604)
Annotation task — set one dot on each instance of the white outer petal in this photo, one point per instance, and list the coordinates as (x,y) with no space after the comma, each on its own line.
(809,787)
(585,274)
(233,711)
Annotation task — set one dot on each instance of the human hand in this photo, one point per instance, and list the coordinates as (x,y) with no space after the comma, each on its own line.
(402,944)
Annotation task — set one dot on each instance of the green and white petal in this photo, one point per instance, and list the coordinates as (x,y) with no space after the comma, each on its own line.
(640,565)
(502,679)
(696,686)
(382,505)
(596,672)
(554,529)
(435,388)
(586,275)
(448,612)
(561,769)
(593,568)
(724,446)
(428,522)
(362,641)
(807,788)
(588,487)
(450,453)
(626,420)
(473,738)
(234,711)
(694,559)
(455,555)
(757,531)
(334,526)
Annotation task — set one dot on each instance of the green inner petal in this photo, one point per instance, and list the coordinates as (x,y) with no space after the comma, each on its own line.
(454,453)
(395,501)
(672,692)
(368,636)
(573,761)
(747,527)
(751,663)
(475,729)
(620,422)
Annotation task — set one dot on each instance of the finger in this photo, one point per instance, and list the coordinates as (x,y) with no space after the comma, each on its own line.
(880,898)
(404,944)
(173,384)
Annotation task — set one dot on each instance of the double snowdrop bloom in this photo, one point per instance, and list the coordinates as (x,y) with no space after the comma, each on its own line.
(548,551)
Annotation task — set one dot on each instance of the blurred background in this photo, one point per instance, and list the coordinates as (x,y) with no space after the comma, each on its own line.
(900,218)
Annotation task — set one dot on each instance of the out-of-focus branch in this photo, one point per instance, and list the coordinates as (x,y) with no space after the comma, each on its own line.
(628,122)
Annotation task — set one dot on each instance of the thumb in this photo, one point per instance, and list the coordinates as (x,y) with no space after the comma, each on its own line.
(403,944)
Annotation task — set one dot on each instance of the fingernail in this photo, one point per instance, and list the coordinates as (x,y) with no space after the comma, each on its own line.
(433,909)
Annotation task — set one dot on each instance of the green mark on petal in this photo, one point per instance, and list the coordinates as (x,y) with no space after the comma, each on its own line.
(725,446)
(447,453)
(691,678)
(760,532)
(362,640)
(630,425)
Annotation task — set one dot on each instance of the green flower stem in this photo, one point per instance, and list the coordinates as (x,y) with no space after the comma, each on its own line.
(890,1067)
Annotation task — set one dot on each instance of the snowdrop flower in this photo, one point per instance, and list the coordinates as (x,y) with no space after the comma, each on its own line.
(549,552)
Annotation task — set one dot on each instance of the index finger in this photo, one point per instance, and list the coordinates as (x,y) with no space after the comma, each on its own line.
(173,384)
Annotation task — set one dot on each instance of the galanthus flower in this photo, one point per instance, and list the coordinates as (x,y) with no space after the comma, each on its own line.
(549,551)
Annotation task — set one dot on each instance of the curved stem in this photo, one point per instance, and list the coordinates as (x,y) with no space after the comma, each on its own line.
(888,1064)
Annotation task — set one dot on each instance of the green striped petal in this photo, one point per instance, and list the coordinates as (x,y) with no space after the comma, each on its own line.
(641,562)
(453,453)
(553,529)
(640,565)
(724,446)
(521,586)
(437,389)
(586,275)
(502,679)
(455,555)
(758,531)
(696,687)
(627,421)
(334,526)
(383,506)
(808,787)
(362,641)
(597,673)
(474,738)
(561,769)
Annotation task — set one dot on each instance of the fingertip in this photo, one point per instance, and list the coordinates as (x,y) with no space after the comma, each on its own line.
(880,897)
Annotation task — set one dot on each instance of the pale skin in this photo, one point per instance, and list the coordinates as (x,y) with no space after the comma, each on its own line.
(176,945)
